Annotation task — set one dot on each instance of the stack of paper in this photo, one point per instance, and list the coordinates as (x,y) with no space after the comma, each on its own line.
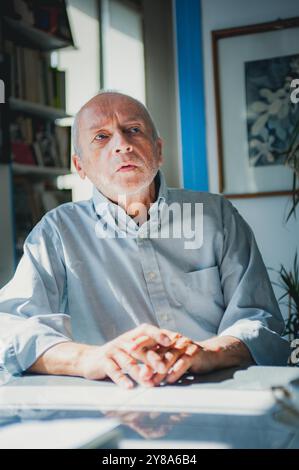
(61,434)
(111,397)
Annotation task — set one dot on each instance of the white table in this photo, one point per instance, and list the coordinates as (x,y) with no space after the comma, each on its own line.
(226,409)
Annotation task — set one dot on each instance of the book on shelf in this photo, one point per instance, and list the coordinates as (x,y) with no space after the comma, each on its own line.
(22,153)
(63,139)
(49,16)
(32,77)
(35,141)
(21,10)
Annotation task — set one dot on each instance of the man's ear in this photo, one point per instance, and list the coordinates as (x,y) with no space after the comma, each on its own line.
(159,144)
(78,165)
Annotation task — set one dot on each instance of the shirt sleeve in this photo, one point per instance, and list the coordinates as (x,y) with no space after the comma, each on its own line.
(252,313)
(32,304)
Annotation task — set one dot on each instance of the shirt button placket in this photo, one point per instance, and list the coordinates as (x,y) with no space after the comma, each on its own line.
(155,284)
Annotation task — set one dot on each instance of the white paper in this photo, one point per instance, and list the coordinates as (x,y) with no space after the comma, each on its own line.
(181,399)
(58,434)
(65,397)
(167,399)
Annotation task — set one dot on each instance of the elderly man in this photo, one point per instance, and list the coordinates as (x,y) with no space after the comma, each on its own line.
(97,295)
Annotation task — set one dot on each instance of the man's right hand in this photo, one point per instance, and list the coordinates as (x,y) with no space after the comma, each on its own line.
(114,360)
(142,354)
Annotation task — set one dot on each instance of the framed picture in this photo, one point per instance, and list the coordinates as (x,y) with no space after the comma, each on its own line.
(253,70)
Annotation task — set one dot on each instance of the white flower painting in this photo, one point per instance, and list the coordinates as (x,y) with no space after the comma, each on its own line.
(271,116)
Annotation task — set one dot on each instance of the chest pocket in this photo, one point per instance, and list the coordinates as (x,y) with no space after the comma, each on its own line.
(199,292)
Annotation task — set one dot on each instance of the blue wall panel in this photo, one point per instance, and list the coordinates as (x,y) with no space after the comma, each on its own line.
(191,93)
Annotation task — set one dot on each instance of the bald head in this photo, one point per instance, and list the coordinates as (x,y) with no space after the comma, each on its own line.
(106,102)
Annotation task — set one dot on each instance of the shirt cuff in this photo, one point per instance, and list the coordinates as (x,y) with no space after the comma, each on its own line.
(267,347)
(30,339)
(13,365)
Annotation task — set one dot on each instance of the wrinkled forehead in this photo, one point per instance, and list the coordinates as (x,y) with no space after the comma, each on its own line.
(102,109)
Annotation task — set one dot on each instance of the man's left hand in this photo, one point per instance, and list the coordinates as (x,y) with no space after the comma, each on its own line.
(183,354)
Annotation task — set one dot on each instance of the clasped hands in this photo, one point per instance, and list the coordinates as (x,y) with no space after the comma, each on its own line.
(149,355)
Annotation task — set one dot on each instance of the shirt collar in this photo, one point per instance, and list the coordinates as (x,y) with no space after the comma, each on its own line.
(102,203)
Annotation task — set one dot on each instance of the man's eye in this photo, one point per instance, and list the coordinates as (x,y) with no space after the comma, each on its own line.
(134,130)
(100,136)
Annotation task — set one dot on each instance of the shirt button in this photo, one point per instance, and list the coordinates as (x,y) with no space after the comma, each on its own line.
(152,276)
(165,317)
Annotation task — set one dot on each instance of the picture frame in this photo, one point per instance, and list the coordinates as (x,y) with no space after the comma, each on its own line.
(253,68)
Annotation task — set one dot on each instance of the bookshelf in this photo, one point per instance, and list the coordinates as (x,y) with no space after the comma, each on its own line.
(34,126)
(36,109)
(31,37)
(37,171)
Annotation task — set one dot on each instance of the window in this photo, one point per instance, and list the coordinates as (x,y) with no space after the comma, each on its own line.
(113,59)
(123,48)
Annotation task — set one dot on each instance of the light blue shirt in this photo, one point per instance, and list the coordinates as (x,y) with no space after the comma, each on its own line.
(73,284)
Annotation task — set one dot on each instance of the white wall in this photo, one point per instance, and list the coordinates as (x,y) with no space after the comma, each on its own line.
(276,240)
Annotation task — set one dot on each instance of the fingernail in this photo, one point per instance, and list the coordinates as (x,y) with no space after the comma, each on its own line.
(165,340)
(161,368)
(146,372)
(191,349)
(147,384)
(168,356)
(126,384)
(177,366)
(181,342)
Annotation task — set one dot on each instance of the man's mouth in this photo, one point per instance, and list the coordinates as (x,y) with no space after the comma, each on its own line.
(127,167)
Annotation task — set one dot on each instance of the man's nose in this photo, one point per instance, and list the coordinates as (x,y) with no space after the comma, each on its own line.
(122,145)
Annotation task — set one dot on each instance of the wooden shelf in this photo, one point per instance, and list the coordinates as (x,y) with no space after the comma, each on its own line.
(39,171)
(37,109)
(28,36)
